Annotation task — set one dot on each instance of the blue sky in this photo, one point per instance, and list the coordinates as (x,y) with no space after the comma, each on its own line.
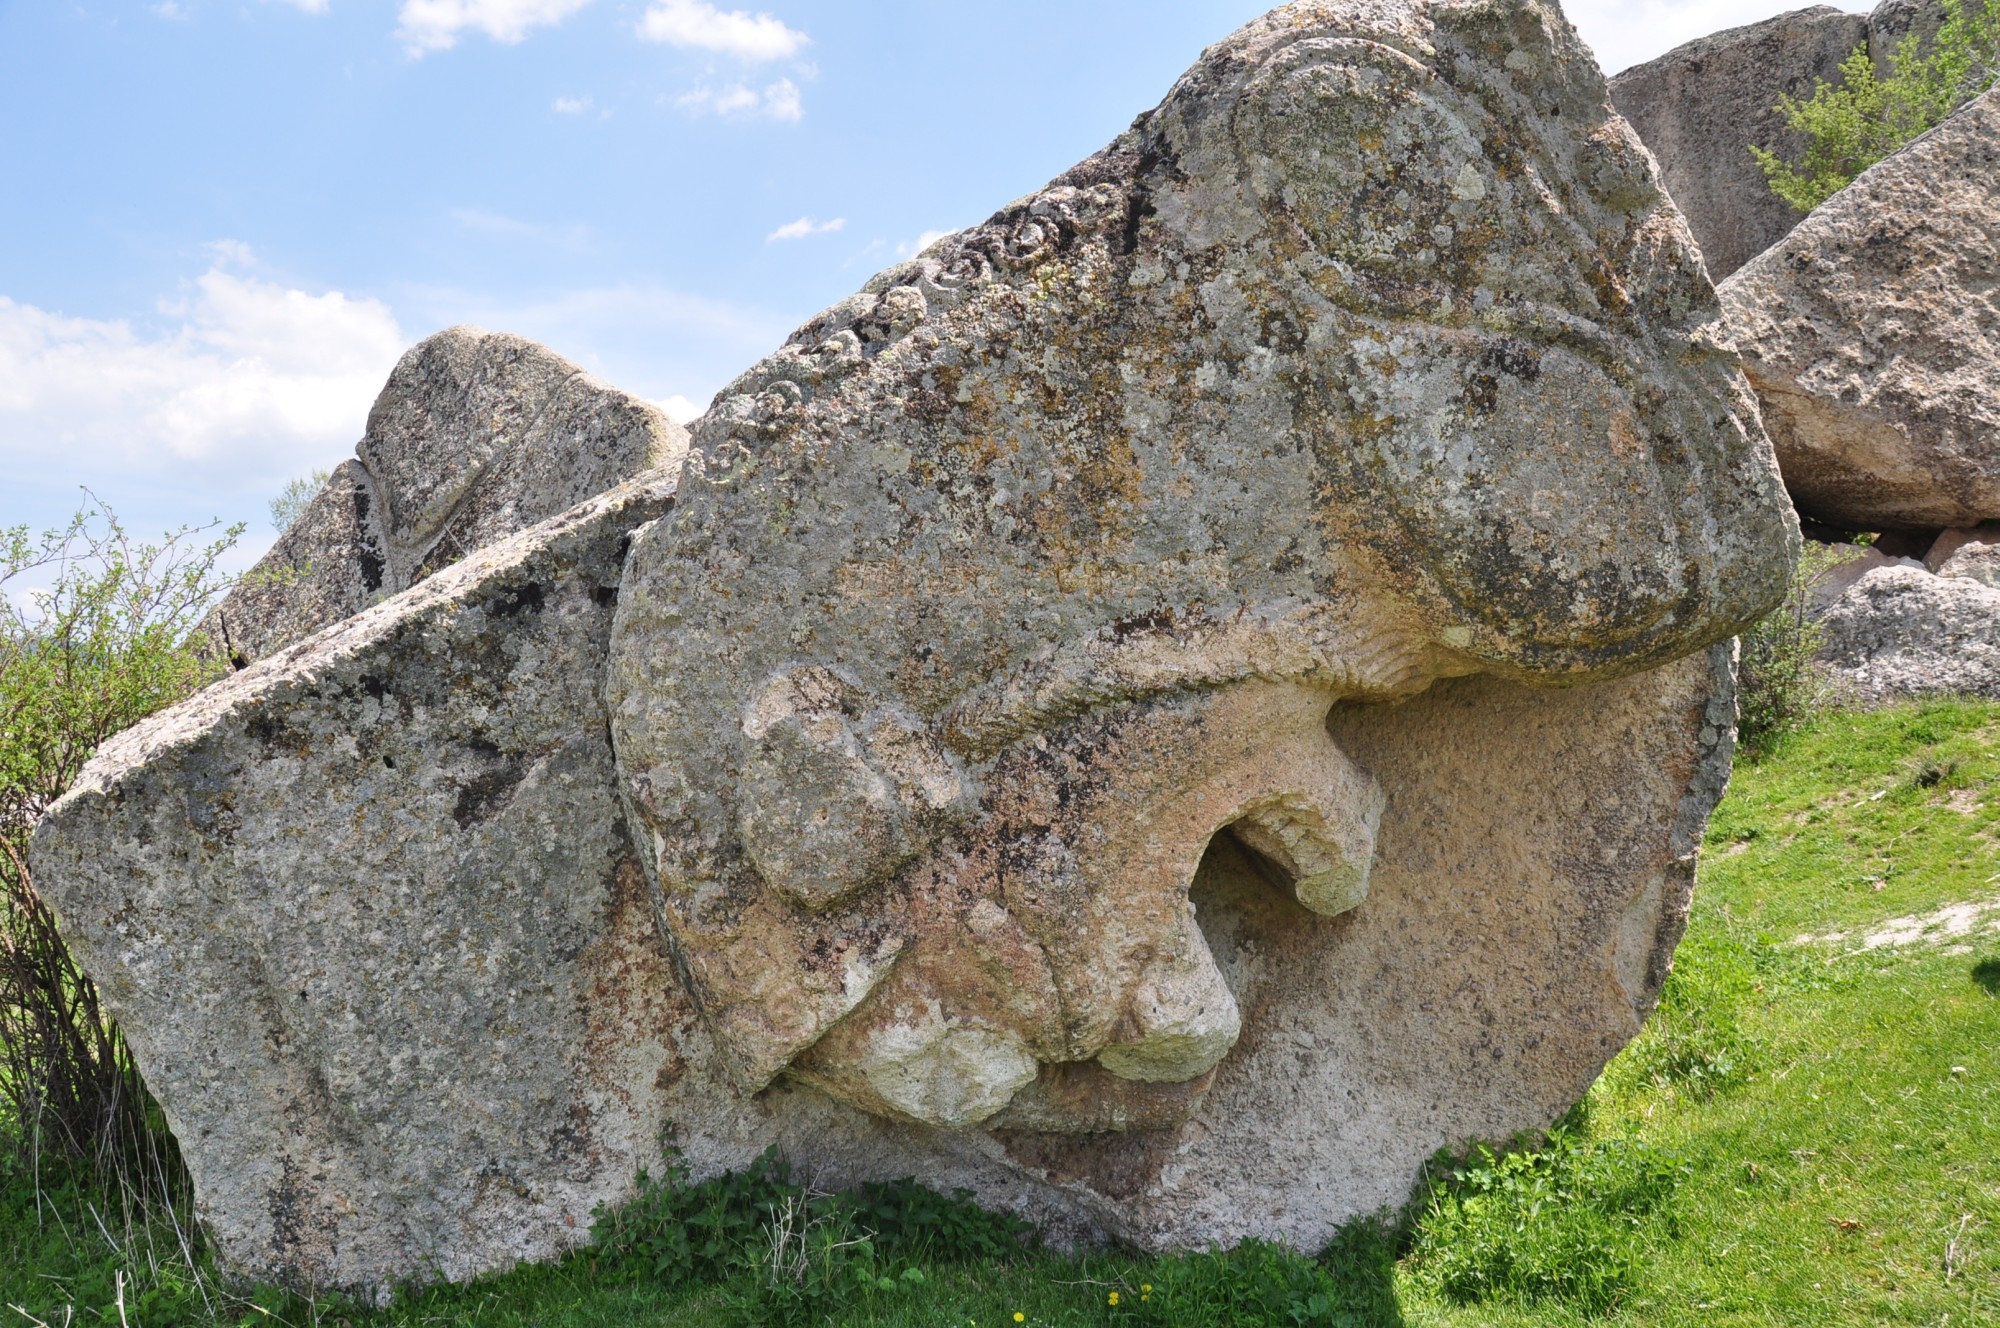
(223,220)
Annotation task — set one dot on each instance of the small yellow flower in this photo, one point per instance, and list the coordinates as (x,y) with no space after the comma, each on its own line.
(1112,1299)
(1020,1317)
(1145,1286)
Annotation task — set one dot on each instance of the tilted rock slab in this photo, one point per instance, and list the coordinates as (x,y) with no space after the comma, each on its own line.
(1700,106)
(1873,339)
(1164,711)
(1901,631)
(477,435)
(368,917)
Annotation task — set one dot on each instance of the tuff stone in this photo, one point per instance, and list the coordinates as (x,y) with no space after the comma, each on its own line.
(369,918)
(1973,553)
(1700,106)
(1873,341)
(1163,710)
(476,436)
(1900,631)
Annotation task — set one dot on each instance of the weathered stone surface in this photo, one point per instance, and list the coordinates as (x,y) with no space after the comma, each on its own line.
(1873,339)
(331,563)
(1373,356)
(476,436)
(1700,106)
(1893,20)
(368,914)
(1901,631)
(1973,553)
(1164,710)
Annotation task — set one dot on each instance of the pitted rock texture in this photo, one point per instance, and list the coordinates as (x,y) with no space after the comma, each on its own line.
(476,436)
(1700,106)
(1164,710)
(1873,338)
(1973,553)
(1901,631)
(369,917)
(1373,356)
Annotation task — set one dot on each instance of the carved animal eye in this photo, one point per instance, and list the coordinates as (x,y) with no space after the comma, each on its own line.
(1380,172)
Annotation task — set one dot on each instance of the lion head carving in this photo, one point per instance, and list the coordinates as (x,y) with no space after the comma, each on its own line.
(1374,355)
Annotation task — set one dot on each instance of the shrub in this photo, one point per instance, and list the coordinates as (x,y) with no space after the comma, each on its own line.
(1559,1223)
(1852,124)
(1778,683)
(295,497)
(101,643)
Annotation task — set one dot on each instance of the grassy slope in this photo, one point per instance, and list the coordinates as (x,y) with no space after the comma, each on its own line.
(1840,1111)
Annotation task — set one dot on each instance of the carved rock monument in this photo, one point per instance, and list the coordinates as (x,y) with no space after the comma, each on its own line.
(1164,710)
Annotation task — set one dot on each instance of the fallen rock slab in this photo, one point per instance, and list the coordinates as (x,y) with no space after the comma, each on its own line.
(1873,339)
(1701,106)
(368,916)
(477,435)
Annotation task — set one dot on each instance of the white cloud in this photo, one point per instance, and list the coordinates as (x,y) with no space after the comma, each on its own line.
(435,25)
(169,9)
(752,37)
(248,377)
(1628,32)
(805,226)
(680,410)
(573,105)
(308,6)
(778,101)
(911,248)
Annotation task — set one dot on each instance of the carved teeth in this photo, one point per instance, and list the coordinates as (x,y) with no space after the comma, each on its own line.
(1327,857)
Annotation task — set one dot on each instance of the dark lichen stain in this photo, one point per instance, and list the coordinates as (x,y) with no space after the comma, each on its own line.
(511,601)
(372,567)
(480,795)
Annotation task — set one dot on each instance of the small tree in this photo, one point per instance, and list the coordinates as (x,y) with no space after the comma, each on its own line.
(1857,122)
(1779,682)
(295,497)
(99,645)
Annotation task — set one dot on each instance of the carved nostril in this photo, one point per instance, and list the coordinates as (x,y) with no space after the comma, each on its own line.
(1185,1016)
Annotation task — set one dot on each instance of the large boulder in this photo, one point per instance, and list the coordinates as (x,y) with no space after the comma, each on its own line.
(476,436)
(1701,106)
(1873,339)
(1901,631)
(1164,711)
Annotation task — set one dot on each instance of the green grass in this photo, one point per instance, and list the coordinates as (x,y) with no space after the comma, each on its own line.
(1806,1134)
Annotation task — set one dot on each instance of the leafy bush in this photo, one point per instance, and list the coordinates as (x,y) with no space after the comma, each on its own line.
(1778,683)
(1852,124)
(101,643)
(1560,1223)
(295,497)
